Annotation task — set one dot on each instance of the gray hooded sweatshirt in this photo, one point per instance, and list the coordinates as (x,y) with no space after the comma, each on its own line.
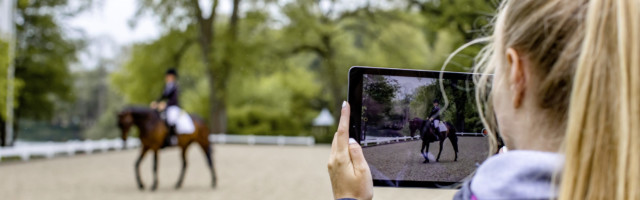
(517,174)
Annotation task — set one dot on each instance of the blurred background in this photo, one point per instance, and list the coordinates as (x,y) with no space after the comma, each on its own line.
(262,67)
(248,67)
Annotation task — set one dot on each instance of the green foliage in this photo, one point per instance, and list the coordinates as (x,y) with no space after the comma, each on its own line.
(141,78)
(271,73)
(43,58)
(266,94)
(381,89)
(462,20)
(37,130)
(378,98)
(275,104)
(281,77)
(461,109)
(17,84)
(96,104)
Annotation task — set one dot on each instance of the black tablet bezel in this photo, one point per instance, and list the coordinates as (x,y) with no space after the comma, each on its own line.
(355,100)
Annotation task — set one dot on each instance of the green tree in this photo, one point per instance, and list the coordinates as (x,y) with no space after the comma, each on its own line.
(463,20)
(140,79)
(43,56)
(364,35)
(230,60)
(378,97)
(218,50)
(4,65)
(261,82)
(461,110)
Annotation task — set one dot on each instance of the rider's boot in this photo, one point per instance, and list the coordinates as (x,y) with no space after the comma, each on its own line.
(168,140)
(437,128)
(173,136)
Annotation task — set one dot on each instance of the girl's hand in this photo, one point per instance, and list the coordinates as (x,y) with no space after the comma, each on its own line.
(350,175)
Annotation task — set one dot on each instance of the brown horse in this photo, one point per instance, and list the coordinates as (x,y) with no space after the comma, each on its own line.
(428,135)
(153,131)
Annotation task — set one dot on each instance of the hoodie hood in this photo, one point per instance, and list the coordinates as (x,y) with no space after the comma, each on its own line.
(517,174)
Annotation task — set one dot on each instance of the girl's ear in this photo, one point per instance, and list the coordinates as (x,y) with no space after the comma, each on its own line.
(517,76)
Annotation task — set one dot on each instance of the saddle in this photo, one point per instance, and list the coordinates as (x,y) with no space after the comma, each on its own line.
(441,127)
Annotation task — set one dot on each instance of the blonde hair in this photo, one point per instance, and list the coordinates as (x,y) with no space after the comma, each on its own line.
(586,58)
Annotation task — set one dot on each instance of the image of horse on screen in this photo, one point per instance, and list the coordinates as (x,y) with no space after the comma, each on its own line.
(402,116)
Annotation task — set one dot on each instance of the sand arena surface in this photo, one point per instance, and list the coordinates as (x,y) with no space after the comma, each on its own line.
(403,160)
(244,172)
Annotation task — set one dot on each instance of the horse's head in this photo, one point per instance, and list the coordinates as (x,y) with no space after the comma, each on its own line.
(125,122)
(415,124)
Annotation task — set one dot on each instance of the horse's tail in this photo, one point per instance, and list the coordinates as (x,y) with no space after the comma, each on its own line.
(453,137)
(452,131)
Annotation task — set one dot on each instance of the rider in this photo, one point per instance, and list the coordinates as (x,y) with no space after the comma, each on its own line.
(170,105)
(435,116)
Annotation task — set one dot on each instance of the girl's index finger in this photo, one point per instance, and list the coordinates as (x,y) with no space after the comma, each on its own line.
(341,139)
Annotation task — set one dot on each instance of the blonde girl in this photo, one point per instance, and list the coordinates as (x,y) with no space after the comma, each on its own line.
(566,100)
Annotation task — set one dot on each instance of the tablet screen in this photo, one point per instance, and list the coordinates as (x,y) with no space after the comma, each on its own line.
(410,135)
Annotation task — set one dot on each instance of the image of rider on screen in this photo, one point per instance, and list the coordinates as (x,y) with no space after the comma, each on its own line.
(436,116)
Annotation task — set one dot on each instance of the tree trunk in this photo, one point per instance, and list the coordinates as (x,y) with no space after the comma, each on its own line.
(217,79)
(206,39)
(218,112)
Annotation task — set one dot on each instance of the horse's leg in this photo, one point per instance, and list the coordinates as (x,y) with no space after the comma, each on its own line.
(422,150)
(425,149)
(184,147)
(206,148)
(440,152)
(137,167)
(453,138)
(155,170)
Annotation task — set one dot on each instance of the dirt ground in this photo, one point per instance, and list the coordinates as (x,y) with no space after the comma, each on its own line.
(244,172)
(402,161)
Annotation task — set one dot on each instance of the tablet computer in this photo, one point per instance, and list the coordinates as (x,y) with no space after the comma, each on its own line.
(415,129)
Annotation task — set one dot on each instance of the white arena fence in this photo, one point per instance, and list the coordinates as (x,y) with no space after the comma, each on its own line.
(259,139)
(27,150)
(372,140)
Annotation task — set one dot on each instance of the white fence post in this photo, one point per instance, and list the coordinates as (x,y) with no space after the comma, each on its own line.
(25,155)
(281,140)
(311,141)
(223,138)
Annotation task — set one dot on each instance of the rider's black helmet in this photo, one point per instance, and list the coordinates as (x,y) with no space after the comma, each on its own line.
(172,71)
(436,101)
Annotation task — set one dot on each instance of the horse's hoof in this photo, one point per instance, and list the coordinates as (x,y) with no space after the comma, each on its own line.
(154,187)
(214,185)
(141,187)
(437,160)
(178,186)
(426,161)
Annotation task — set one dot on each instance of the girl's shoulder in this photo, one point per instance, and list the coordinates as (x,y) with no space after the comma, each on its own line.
(514,175)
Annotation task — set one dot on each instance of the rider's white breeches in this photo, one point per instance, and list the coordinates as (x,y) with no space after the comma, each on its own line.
(173,112)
